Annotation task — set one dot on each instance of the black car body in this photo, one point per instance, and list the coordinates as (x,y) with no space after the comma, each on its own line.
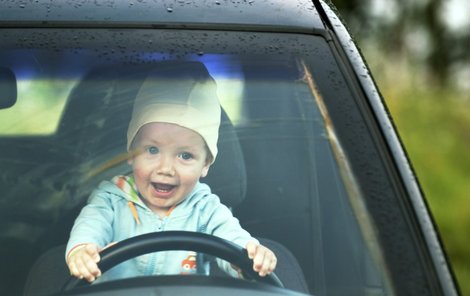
(318,166)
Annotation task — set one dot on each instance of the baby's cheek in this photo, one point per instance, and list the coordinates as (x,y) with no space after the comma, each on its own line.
(137,171)
(141,178)
(141,172)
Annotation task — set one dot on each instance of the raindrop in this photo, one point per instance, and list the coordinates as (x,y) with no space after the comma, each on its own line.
(169,9)
(217,2)
(22,5)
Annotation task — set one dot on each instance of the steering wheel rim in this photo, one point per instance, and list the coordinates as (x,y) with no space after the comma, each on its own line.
(177,240)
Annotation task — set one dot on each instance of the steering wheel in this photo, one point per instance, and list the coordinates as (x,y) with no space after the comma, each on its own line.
(177,240)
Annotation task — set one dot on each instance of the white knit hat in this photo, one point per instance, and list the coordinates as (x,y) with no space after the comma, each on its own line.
(181,93)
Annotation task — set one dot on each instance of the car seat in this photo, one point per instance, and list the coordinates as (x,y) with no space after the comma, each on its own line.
(227,176)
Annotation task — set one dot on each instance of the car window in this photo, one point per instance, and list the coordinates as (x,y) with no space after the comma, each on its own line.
(36,113)
(67,132)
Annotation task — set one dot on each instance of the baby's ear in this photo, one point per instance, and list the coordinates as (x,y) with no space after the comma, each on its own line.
(130,158)
(131,153)
(205,170)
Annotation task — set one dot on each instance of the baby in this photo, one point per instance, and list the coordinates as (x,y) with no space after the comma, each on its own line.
(172,142)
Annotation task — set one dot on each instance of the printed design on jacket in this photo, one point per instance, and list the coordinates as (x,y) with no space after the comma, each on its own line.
(188,265)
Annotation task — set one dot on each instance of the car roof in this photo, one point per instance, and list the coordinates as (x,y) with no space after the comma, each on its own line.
(236,14)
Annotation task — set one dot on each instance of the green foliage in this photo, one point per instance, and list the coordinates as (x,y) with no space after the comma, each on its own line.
(432,118)
(38,108)
(434,125)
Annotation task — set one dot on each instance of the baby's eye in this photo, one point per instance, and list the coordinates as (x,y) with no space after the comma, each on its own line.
(152,150)
(186,156)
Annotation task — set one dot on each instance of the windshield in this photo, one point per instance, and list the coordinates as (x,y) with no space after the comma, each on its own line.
(289,182)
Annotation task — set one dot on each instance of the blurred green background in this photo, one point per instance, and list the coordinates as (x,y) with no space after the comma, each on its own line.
(419,54)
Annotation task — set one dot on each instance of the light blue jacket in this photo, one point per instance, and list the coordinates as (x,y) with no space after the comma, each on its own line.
(108,218)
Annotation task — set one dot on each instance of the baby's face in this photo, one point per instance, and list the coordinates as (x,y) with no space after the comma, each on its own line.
(167,163)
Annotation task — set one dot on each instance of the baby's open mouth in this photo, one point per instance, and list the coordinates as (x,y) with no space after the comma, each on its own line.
(160,187)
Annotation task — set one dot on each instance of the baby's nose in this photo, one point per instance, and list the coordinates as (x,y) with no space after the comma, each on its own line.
(165,166)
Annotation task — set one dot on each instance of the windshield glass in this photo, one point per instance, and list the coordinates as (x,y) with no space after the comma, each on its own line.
(288,180)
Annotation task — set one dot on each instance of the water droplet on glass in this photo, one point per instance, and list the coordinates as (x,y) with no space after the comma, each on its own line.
(169,9)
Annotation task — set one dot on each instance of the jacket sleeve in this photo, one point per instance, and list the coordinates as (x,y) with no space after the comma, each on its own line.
(221,223)
(94,223)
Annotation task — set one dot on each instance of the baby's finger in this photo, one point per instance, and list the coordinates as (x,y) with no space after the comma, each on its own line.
(93,252)
(259,259)
(251,249)
(87,268)
(93,269)
(83,271)
(269,263)
(73,269)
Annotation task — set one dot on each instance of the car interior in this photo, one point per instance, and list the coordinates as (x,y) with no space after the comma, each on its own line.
(276,170)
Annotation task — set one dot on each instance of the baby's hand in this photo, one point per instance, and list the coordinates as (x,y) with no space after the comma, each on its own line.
(82,262)
(264,260)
